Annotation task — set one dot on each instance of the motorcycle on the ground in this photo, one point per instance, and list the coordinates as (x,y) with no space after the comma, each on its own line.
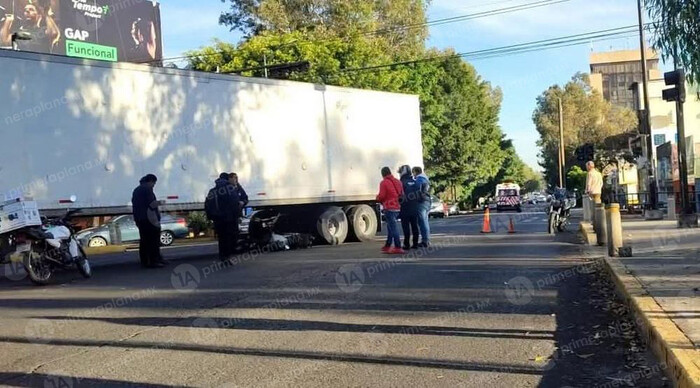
(44,249)
(560,210)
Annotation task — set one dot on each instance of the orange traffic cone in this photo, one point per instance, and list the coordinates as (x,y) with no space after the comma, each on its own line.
(486,228)
(511,226)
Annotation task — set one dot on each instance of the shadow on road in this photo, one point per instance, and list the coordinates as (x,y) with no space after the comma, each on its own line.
(355,358)
(302,325)
(56,381)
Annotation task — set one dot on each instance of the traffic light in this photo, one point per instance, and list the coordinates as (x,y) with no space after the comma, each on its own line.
(637,146)
(676,79)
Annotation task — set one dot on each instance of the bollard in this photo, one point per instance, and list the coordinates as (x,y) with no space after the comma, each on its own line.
(601,231)
(591,204)
(671,205)
(587,216)
(614,229)
(115,234)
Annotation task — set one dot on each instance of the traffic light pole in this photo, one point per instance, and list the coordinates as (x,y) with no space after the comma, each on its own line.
(682,162)
(677,93)
(649,145)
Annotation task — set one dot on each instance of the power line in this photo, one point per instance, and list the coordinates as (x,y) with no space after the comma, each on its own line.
(563,41)
(455,19)
(429,23)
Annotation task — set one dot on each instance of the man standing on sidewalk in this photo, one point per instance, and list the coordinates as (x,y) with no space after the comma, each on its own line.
(594,182)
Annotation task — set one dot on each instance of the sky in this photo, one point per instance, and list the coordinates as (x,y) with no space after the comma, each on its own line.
(189,25)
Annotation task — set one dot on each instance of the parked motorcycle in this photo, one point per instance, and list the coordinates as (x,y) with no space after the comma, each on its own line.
(44,249)
(560,210)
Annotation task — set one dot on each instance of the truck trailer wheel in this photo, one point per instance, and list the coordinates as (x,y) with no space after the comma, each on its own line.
(363,223)
(332,226)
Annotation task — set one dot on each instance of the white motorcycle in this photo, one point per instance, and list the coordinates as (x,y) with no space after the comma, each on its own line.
(49,247)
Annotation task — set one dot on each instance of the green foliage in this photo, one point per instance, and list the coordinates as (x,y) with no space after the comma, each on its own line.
(326,58)
(676,33)
(588,118)
(533,180)
(198,222)
(400,23)
(512,169)
(576,179)
(461,136)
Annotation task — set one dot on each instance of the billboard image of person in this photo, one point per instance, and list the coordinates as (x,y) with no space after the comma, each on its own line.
(144,38)
(139,27)
(108,30)
(35,18)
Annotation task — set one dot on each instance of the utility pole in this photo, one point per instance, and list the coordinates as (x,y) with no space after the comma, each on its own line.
(562,153)
(648,150)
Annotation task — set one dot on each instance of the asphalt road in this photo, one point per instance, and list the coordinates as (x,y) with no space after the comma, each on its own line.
(475,310)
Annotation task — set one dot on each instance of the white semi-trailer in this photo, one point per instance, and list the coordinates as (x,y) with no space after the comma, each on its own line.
(72,127)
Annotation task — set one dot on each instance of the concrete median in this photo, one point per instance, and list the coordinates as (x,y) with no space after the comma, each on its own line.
(91,251)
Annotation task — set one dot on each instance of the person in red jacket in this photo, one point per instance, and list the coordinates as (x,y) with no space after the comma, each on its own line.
(390,190)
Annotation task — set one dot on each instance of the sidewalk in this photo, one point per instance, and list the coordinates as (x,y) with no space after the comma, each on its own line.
(661,282)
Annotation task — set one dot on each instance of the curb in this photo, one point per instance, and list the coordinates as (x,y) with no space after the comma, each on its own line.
(588,234)
(667,341)
(105,250)
(195,240)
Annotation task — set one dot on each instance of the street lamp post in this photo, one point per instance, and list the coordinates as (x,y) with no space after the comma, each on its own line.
(562,153)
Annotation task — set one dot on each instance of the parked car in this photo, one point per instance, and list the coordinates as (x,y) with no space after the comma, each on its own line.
(453,209)
(492,205)
(171,228)
(437,208)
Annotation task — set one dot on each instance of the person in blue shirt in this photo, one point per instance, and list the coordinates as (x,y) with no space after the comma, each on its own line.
(423,205)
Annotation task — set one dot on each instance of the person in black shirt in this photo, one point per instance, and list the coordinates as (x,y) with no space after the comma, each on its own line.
(223,208)
(38,23)
(147,218)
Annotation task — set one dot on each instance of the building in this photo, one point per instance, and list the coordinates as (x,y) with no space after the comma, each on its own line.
(613,72)
(614,75)
(665,137)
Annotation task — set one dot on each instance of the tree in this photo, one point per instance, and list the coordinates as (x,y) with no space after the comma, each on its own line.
(512,169)
(461,137)
(533,180)
(398,23)
(326,57)
(576,179)
(676,29)
(588,118)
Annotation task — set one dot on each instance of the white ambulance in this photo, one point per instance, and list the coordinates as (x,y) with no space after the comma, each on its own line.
(508,197)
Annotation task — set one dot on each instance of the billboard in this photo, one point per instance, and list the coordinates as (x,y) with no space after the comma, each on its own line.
(108,30)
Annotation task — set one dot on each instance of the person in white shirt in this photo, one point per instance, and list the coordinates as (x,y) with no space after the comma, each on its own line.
(594,182)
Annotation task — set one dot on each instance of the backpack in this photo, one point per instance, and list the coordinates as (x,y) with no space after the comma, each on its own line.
(211,206)
(411,192)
